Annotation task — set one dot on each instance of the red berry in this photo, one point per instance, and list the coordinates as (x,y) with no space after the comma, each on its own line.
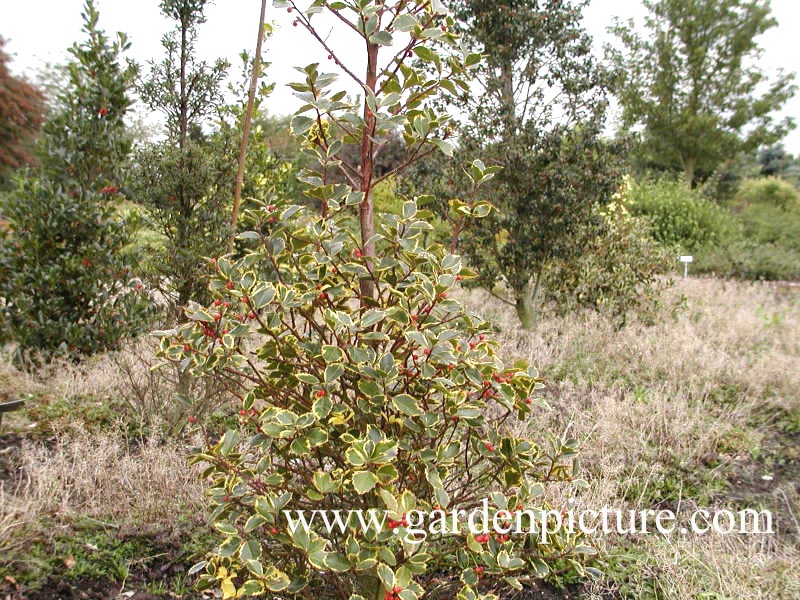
(481,337)
(103,111)
(229,285)
(459,278)
(217,302)
(443,295)
(187,348)
(454,418)
(330,57)
(397,589)
(243,413)
(357,253)
(427,352)
(321,394)
(489,446)
(245,299)
(480,570)
(528,400)
(271,207)
(273,531)
(288,10)
(192,419)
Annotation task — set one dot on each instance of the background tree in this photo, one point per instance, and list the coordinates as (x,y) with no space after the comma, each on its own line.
(774,161)
(21,117)
(538,114)
(693,84)
(186,181)
(62,274)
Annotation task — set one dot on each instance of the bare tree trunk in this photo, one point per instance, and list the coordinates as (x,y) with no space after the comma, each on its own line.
(366,213)
(248,117)
(688,171)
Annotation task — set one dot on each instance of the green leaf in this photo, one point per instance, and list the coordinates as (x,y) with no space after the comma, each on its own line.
(276,580)
(322,407)
(336,562)
(331,354)
(364,481)
(406,405)
(371,317)
(405,22)
(386,575)
(382,38)
(425,54)
(301,124)
(252,587)
(333,372)
(262,296)
(324,482)
(225,527)
(229,442)
(250,550)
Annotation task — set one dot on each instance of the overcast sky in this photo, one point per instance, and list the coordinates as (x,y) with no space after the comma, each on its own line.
(39,31)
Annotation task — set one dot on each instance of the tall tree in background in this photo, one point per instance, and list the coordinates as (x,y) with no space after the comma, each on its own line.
(21,117)
(62,272)
(539,115)
(694,86)
(186,181)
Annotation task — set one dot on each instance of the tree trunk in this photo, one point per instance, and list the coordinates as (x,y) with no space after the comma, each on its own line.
(527,300)
(688,171)
(366,213)
(248,117)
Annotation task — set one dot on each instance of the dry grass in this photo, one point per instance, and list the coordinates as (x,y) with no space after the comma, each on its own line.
(692,411)
(149,391)
(104,478)
(101,479)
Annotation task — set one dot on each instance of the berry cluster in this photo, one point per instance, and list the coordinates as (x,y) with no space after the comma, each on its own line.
(393,594)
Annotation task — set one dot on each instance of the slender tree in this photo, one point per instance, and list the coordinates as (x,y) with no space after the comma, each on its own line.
(539,115)
(186,180)
(246,124)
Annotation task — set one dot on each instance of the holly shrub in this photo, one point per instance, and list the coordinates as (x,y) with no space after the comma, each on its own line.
(400,405)
(364,384)
(619,272)
(66,287)
(64,282)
